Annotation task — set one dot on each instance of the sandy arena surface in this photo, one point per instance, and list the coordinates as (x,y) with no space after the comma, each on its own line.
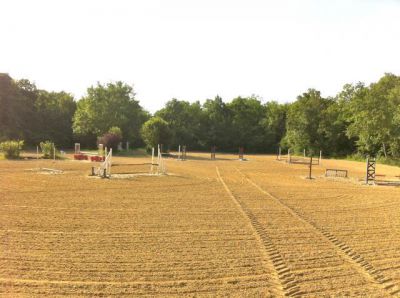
(254,228)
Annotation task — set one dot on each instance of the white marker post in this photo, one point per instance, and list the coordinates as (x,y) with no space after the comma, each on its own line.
(304,152)
(158,158)
(179,152)
(152,160)
(54,152)
(320,157)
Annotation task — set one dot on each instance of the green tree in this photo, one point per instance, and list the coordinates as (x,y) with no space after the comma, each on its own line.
(247,118)
(303,125)
(17,112)
(185,121)
(274,124)
(156,131)
(217,124)
(109,105)
(372,114)
(55,111)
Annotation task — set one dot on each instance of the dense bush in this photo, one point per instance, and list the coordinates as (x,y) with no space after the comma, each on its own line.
(11,149)
(48,148)
(156,131)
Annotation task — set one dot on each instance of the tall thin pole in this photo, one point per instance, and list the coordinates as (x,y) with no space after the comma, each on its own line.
(320,157)
(158,159)
(152,159)
(304,152)
(309,175)
(179,152)
(54,152)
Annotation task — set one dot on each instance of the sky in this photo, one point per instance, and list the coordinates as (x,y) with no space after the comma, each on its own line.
(197,49)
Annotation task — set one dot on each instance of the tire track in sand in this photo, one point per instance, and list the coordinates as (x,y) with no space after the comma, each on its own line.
(286,279)
(358,261)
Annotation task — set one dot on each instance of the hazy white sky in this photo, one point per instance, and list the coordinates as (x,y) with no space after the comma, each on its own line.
(195,49)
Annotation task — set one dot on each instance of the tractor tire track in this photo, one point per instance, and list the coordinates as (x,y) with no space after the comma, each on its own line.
(287,280)
(362,265)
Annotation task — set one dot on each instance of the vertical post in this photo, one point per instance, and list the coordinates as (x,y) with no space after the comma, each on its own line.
(179,153)
(366,177)
(288,157)
(54,152)
(152,160)
(158,159)
(279,152)
(304,152)
(109,163)
(77,148)
(309,175)
(320,157)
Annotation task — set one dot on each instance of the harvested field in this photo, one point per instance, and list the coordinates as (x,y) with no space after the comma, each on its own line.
(209,228)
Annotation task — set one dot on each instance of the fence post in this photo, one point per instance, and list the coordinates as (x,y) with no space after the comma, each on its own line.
(309,175)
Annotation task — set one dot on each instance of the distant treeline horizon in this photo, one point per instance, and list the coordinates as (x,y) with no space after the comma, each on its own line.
(360,119)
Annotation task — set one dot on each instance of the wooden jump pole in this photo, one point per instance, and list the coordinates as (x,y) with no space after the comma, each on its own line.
(310,172)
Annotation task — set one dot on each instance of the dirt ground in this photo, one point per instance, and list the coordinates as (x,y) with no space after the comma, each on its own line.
(254,228)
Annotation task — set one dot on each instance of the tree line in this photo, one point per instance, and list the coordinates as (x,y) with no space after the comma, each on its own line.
(360,119)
